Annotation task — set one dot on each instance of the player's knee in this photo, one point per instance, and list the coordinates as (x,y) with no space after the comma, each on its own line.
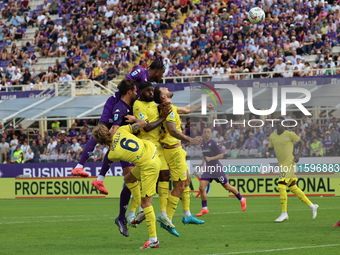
(164,176)
(281,186)
(201,188)
(129,178)
(146,202)
(227,186)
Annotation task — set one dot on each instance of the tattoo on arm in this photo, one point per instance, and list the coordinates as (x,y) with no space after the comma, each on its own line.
(135,126)
(175,133)
(153,125)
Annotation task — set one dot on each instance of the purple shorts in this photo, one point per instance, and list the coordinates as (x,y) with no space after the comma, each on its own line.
(218,177)
(126,164)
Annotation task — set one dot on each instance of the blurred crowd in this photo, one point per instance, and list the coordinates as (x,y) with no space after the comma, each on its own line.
(101,39)
(321,137)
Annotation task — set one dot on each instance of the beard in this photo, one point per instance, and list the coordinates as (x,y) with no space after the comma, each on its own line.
(170,94)
(148,99)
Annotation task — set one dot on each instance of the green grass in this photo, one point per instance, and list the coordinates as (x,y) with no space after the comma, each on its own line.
(86,226)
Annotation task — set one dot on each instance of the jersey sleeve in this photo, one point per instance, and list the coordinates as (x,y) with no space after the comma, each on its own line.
(217,149)
(294,137)
(140,111)
(172,116)
(126,128)
(135,75)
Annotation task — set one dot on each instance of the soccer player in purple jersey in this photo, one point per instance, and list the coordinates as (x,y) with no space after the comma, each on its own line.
(128,93)
(153,74)
(214,171)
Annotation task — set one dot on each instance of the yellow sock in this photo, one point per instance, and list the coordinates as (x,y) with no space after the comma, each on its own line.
(163,188)
(185,197)
(283,196)
(150,221)
(300,194)
(135,191)
(133,205)
(172,205)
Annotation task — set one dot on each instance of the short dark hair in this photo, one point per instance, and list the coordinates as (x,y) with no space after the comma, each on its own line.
(157,65)
(157,95)
(125,85)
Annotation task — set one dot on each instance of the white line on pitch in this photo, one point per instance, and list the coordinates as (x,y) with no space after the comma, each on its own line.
(283,249)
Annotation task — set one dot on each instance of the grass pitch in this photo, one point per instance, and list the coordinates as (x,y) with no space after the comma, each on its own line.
(86,226)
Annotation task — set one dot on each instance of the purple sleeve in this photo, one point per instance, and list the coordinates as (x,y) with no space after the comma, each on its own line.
(107,115)
(138,75)
(118,116)
(246,143)
(217,148)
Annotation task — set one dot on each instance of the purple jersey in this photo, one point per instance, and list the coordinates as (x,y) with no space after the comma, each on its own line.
(328,142)
(107,115)
(120,110)
(211,149)
(138,75)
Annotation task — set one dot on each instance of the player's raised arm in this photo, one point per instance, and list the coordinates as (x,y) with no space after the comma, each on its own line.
(188,109)
(171,126)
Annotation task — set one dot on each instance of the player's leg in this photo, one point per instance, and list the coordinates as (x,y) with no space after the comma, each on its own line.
(89,147)
(204,197)
(149,177)
(281,186)
(98,183)
(188,218)
(133,187)
(163,188)
(301,195)
(125,195)
(224,182)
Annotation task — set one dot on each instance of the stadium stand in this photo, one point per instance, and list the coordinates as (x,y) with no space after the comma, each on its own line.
(102,39)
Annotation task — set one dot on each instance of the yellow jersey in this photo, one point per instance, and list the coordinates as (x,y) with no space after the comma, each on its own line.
(172,117)
(127,147)
(147,111)
(284,147)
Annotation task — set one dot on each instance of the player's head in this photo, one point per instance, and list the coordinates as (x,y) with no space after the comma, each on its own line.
(162,96)
(156,71)
(146,91)
(207,132)
(102,135)
(128,87)
(279,126)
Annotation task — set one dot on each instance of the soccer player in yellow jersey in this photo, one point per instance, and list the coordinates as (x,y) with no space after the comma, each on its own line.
(127,147)
(175,156)
(282,141)
(145,109)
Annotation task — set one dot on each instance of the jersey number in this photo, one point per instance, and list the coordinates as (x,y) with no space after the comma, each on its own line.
(125,144)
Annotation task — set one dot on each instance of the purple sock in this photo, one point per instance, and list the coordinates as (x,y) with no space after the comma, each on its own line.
(239,197)
(89,147)
(204,203)
(124,202)
(106,165)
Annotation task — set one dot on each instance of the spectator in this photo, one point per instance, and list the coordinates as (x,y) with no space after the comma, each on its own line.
(252,142)
(4,151)
(316,148)
(18,156)
(29,156)
(329,144)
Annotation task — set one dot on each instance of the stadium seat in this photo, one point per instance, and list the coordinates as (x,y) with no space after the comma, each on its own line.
(253,152)
(62,158)
(243,153)
(44,158)
(53,158)
(227,152)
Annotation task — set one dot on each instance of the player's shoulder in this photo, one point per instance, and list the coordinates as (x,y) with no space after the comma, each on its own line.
(273,134)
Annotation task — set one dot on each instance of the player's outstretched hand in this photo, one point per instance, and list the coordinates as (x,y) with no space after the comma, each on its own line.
(196,140)
(130,118)
(296,158)
(208,159)
(166,111)
(210,106)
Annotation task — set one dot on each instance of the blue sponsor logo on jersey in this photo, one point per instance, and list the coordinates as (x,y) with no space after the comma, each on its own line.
(172,115)
(141,116)
(115,117)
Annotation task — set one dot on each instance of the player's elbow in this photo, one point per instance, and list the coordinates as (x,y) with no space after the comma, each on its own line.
(172,133)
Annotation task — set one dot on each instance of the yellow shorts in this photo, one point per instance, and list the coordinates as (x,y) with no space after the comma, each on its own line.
(148,176)
(177,162)
(288,181)
(160,153)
